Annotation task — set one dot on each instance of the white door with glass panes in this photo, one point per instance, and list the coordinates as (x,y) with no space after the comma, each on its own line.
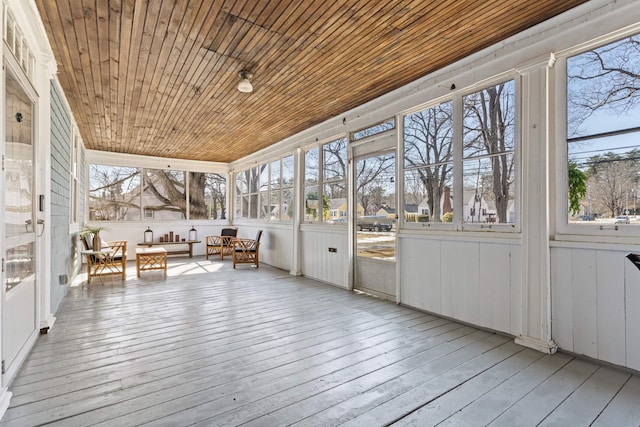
(19,324)
(375,217)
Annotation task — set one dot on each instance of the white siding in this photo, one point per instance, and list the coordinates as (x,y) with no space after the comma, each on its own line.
(631,315)
(561,299)
(318,262)
(420,285)
(596,303)
(275,246)
(472,281)
(610,272)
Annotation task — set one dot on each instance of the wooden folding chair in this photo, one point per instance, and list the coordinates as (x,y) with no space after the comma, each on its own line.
(222,244)
(246,251)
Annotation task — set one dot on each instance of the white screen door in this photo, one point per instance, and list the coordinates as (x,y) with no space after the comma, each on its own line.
(375,224)
(19,322)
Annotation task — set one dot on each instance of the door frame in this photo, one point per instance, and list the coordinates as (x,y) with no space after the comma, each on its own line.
(10,65)
(384,142)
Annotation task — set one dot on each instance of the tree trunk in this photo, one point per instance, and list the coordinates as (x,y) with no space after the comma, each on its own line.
(197,204)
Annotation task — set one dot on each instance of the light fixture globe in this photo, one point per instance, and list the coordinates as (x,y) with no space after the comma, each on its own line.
(245,85)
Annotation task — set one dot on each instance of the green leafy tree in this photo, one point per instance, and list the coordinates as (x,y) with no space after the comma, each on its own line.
(577,187)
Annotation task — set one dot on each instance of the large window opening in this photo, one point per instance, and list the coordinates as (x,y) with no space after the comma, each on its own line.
(462,174)
(120,193)
(266,191)
(488,166)
(325,183)
(603,134)
(428,164)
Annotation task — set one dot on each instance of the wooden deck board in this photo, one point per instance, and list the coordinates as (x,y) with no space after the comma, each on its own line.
(405,403)
(586,403)
(312,396)
(440,409)
(402,381)
(210,345)
(624,409)
(203,406)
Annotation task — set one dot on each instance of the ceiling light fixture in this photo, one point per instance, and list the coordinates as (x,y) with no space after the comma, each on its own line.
(245,85)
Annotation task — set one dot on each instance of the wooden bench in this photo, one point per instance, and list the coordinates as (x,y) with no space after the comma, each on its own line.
(174,252)
(151,259)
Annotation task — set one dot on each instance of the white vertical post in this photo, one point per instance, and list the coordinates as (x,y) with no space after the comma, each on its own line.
(5,394)
(535,261)
(298,191)
(43,75)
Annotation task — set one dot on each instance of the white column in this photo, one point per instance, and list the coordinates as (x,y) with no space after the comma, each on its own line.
(298,191)
(43,75)
(5,395)
(535,261)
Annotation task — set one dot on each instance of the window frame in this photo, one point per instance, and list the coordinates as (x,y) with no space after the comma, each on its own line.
(88,192)
(335,180)
(355,136)
(144,208)
(587,231)
(317,184)
(265,191)
(75,153)
(144,176)
(322,181)
(401,165)
(287,187)
(457,99)
(225,199)
(517,145)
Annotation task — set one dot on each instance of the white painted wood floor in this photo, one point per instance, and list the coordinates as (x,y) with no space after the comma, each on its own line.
(210,346)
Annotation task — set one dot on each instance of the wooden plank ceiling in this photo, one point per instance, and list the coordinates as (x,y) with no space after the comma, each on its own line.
(159,77)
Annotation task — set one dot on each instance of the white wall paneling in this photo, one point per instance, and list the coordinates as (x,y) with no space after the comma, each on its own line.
(317,261)
(493,303)
(610,282)
(584,302)
(515,291)
(133,232)
(460,275)
(468,279)
(561,299)
(631,316)
(275,245)
(420,284)
(596,303)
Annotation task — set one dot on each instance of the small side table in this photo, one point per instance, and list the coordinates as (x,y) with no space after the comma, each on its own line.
(151,259)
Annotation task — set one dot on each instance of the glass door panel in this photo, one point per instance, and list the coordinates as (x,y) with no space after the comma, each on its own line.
(19,322)
(375,224)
